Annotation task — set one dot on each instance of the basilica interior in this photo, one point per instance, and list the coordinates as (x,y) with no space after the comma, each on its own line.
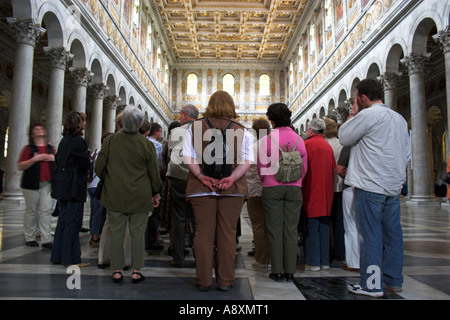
(98,56)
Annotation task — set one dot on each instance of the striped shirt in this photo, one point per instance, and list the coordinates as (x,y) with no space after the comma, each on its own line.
(159,149)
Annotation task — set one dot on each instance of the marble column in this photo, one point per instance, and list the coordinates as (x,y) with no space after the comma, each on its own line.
(111,103)
(95,134)
(389,81)
(81,76)
(204,93)
(277,86)
(214,81)
(252,90)
(26,33)
(59,58)
(443,39)
(421,162)
(241,89)
(179,89)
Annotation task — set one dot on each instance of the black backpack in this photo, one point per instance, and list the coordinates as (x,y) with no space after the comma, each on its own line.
(217,167)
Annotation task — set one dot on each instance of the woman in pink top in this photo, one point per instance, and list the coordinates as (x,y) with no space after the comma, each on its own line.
(281,201)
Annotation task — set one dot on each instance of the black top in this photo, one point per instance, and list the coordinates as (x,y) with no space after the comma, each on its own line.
(72,165)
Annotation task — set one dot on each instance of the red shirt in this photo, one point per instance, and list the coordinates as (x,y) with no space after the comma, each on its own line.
(44,174)
(318,185)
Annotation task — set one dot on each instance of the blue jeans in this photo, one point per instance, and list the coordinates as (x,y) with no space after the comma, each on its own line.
(98,213)
(66,243)
(378,221)
(317,241)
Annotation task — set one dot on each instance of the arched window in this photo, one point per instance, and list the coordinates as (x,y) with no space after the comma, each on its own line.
(192,81)
(149,38)
(300,58)
(291,74)
(158,58)
(135,13)
(264,85)
(228,83)
(328,15)
(312,39)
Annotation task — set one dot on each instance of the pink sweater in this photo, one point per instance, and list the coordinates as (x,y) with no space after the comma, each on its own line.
(266,161)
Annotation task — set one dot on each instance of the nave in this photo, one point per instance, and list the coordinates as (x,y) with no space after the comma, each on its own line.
(26,272)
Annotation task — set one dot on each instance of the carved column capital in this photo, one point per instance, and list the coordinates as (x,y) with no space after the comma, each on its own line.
(111,102)
(415,62)
(342,112)
(25,30)
(443,39)
(59,57)
(98,90)
(82,76)
(389,80)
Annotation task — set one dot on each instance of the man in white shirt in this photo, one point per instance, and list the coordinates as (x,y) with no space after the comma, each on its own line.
(377,171)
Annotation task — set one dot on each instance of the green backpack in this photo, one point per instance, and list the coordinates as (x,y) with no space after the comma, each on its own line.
(290,164)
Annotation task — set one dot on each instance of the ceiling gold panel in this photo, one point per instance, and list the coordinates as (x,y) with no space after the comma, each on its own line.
(249,30)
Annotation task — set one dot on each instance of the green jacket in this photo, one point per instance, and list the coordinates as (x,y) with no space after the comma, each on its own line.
(127,164)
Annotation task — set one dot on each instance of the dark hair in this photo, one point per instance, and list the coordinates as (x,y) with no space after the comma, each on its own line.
(33,125)
(259,125)
(154,128)
(371,88)
(280,114)
(74,123)
(145,126)
(173,125)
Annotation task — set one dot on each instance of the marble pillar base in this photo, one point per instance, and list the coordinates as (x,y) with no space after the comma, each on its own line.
(416,200)
(12,197)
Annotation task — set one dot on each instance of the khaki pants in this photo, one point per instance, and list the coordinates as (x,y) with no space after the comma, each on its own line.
(256,215)
(104,250)
(137,222)
(38,208)
(216,220)
(282,205)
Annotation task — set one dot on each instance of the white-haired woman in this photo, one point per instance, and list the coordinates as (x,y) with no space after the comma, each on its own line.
(127,164)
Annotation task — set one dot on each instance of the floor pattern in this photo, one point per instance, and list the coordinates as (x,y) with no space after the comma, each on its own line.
(26,273)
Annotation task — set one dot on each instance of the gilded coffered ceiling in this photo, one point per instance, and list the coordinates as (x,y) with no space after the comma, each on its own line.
(238,30)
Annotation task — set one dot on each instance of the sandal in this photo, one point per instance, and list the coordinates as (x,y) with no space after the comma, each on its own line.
(137,280)
(117,280)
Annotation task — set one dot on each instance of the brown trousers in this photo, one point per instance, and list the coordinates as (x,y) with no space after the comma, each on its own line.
(215,237)
(256,215)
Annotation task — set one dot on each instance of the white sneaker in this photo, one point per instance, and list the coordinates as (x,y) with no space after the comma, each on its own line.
(309,268)
(325,267)
(357,289)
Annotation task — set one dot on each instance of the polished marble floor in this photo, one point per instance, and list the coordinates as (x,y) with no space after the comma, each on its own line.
(26,273)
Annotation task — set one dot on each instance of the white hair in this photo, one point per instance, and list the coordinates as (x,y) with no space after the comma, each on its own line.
(317,125)
(132,119)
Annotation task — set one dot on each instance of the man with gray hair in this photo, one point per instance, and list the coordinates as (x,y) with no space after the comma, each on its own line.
(178,173)
(318,192)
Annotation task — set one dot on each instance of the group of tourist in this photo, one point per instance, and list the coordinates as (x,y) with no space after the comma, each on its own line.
(213,166)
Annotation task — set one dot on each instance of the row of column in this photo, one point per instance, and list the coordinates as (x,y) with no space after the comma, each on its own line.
(26,34)
(420,182)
